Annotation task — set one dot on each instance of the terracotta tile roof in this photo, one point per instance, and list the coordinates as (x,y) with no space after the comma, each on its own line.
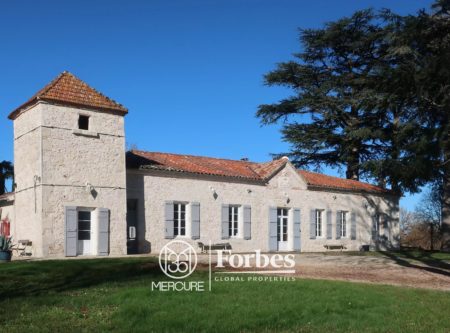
(239,169)
(323,181)
(67,89)
(201,165)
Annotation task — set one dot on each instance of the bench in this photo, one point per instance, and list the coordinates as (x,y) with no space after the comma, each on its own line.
(219,246)
(22,246)
(334,246)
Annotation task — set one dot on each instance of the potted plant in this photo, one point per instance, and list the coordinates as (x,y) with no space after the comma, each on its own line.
(5,248)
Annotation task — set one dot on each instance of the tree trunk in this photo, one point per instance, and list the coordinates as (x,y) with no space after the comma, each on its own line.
(353,164)
(445,202)
(2,185)
(431,237)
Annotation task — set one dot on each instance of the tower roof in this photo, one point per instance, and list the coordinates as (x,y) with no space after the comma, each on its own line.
(67,89)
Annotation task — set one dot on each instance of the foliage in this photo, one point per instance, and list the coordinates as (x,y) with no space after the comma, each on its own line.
(6,172)
(5,243)
(370,93)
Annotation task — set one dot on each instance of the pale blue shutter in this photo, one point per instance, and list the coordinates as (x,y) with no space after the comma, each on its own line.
(273,236)
(338,225)
(312,224)
(353,226)
(375,227)
(247,222)
(103,231)
(168,211)
(297,232)
(329,225)
(225,222)
(71,218)
(195,220)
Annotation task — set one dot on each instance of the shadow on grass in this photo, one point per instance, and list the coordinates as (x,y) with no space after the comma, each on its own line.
(38,277)
(430,263)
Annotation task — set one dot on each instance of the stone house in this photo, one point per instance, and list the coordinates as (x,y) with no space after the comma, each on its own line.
(78,192)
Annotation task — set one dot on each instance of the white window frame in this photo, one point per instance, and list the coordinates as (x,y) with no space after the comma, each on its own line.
(234,221)
(343,220)
(282,217)
(319,223)
(177,219)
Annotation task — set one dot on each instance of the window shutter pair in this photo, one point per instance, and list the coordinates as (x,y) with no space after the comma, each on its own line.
(225,222)
(71,219)
(195,220)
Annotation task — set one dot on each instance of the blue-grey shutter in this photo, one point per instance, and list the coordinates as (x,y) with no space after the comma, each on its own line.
(273,236)
(338,224)
(247,222)
(195,220)
(329,225)
(312,224)
(168,211)
(353,226)
(374,227)
(297,229)
(71,218)
(225,222)
(103,231)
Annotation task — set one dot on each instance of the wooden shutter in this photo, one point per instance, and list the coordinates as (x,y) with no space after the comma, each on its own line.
(103,231)
(297,231)
(71,217)
(168,211)
(195,220)
(247,222)
(338,224)
(312,224)
(329,225)
(225,222)
(353,226)
(273,239)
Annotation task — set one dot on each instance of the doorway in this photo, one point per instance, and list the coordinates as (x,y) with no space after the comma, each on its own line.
(132,240)
(84,232)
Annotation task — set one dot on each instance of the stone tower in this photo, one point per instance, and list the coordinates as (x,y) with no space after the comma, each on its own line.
(69,157)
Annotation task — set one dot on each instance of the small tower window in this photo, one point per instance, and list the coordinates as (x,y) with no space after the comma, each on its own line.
(83,122)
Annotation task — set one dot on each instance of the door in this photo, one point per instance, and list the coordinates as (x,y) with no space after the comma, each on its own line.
(84,232)
(132,240)
(282,229)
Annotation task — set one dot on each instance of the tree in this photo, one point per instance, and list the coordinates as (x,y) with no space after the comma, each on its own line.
(422,46)
(429,213)
(329,80)
(6,172)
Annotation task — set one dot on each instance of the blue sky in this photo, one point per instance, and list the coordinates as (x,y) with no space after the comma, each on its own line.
(190,72)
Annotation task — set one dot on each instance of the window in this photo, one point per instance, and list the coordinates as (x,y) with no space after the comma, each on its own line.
(233,225)
(84,225)
(319,222)
(282,224)
(83,122)
(179,219)
(343,217)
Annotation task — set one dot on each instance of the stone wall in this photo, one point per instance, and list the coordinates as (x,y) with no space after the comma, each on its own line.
(153,188)
(67,161)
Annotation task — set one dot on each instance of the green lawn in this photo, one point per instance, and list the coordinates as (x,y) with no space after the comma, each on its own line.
(115,294)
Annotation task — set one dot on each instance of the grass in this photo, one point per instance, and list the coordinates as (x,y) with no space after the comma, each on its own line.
(115,295)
